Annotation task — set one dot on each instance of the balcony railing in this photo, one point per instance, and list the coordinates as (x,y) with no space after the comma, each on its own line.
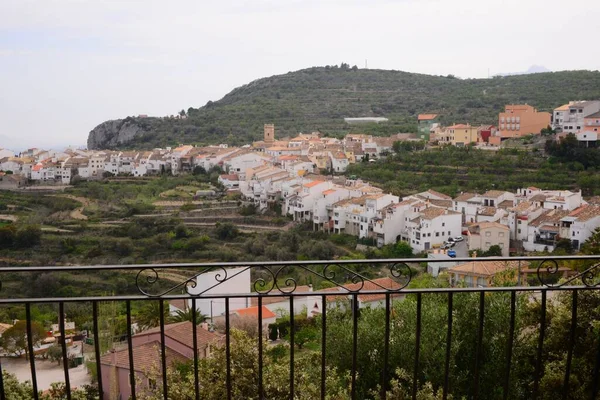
(375,330)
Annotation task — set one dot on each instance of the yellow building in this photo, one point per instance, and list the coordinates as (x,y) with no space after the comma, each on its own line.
(461,134)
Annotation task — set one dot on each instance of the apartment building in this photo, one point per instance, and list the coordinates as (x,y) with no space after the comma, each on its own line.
(591,122)
(389,223)
(484,235)
(572,117)
(429,227)
(520,120)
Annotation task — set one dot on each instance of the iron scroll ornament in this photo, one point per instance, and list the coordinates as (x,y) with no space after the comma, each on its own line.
(152,277)
(590,277)
(278,281)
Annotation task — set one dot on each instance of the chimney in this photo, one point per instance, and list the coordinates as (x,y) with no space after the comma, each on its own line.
(475,254)
(310,287)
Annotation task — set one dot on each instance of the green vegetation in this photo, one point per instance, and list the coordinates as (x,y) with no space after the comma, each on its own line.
(319,98)
(15,390)
(452,170)
(464,364)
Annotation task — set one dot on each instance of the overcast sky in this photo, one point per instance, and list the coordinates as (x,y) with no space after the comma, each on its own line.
(68,65)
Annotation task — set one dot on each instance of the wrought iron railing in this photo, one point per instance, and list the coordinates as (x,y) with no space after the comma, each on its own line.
(348,279)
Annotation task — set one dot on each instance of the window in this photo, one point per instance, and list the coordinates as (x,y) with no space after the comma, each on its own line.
(519,231)
(488,234)
(449,233)
(437,234)
(578,127)
(443,224)
(500,234)
(519,222)
(487,245)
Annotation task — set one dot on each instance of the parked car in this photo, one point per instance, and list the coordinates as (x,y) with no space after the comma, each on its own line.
(447,245)
(452,253)
(458,239)
(450,239)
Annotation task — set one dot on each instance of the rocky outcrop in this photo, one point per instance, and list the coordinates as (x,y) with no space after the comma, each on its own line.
(111,134)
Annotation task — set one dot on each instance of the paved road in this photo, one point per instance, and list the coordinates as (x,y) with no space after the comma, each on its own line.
(47,372)
(461,249)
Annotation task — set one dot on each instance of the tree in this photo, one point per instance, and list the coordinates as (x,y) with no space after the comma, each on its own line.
(148,315)
(28,236)
(187,315)
(54,353)
(563,246)
(14,339)
(592,244)
(305,335)
(181,231)
(7,235)
(494,251)
(244,363)
(226,231)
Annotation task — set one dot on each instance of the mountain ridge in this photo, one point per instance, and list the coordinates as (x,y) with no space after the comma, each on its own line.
(318,98)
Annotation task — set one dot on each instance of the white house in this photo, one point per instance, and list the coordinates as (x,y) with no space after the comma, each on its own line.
(571,117)
(302,206)
(230,181)
(339,161)
(221,281)
(239,162)
(323,206)
(389,223)
(467,204)
(431,227)
(544,230)
(580,224)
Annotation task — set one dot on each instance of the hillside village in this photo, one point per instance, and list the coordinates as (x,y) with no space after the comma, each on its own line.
(304,177)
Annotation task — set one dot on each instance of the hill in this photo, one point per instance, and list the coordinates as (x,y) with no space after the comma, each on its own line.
(319,98)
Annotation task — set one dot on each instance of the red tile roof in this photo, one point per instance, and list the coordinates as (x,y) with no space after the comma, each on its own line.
(253,312)
(145,357)
(426,117)
(182,333)
(312,184)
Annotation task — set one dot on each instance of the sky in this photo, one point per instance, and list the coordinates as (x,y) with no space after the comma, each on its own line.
(68,65)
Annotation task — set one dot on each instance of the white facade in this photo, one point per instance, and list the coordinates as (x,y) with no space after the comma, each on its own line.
(468,205)
(208,283)
(239,164)
(432,227)
(390,222)
(570,118)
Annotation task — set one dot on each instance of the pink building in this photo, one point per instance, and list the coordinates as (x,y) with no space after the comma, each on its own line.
(146,356)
